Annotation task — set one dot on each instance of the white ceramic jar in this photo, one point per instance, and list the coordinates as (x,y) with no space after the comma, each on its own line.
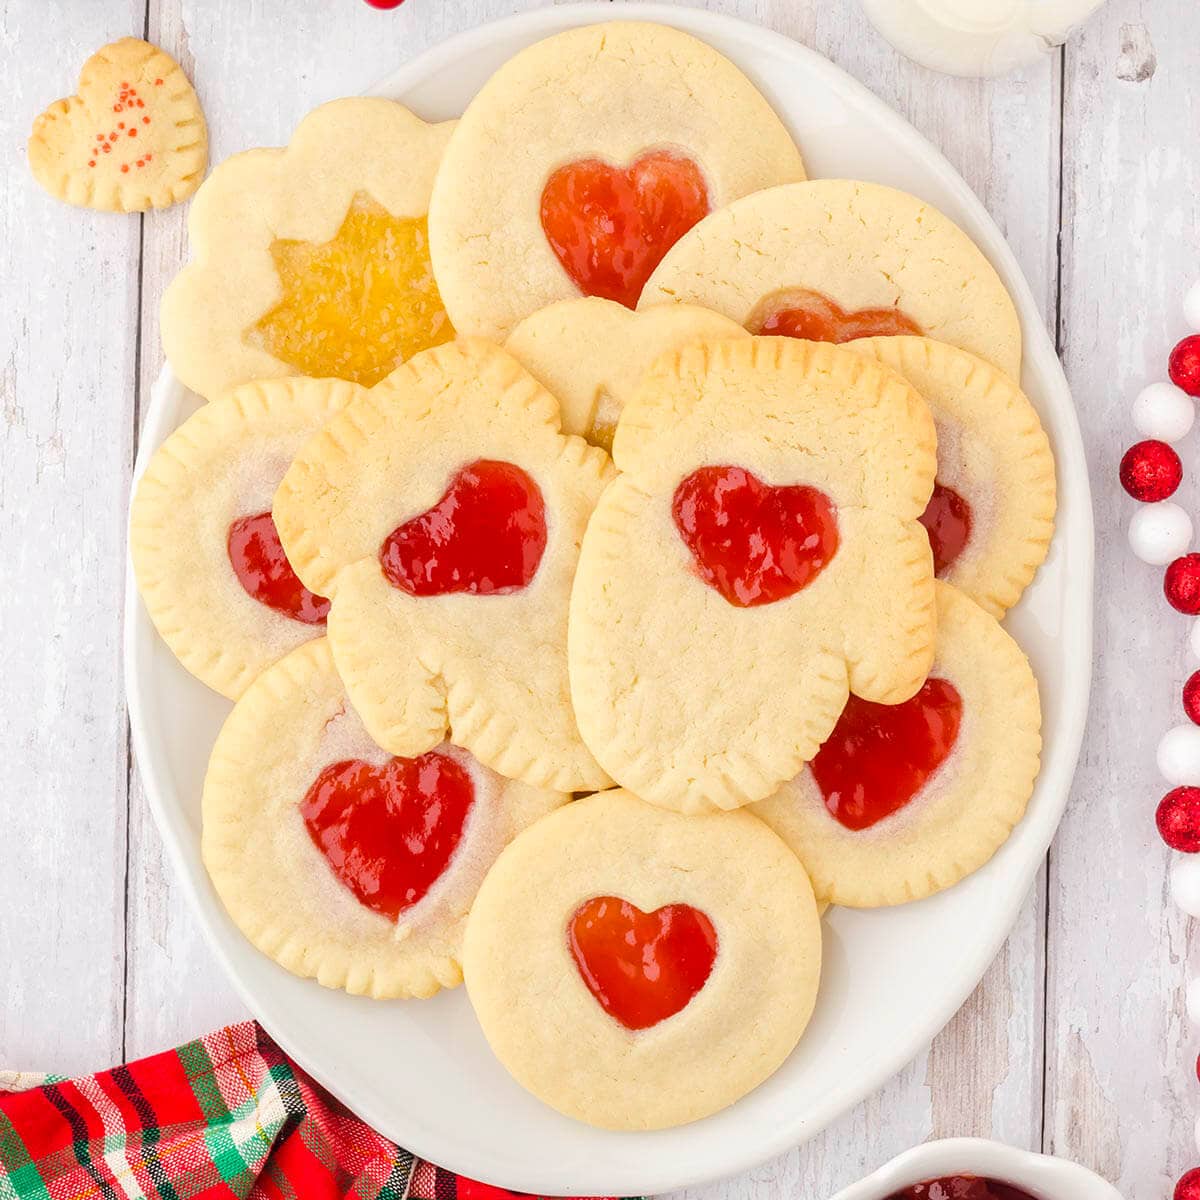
(976,37)
(1041,1175)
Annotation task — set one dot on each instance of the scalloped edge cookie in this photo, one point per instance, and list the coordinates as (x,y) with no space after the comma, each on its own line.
(609,91)
(592,353)
(389,457)
(993,450)
(551,1034)
(71,147)
(223,462)
(970,805)
(260,196)
(277,886)
(860,244)
(650,644)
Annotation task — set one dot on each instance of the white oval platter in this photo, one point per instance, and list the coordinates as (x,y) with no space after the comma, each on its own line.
(421,1072)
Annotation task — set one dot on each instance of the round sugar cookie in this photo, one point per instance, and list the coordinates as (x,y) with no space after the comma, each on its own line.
(442,513)
(758,556)
(991,516)
(583,159)
(924,792)
(638,969)
(335,859)
(837,259)
(312,259)
(592,353)
(206,555)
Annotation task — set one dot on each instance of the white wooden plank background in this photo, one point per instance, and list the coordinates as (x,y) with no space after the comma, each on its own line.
(1075,1041)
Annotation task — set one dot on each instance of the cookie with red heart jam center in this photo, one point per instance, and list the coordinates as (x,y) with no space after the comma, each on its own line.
(583,160)
(902,800)
(616,960)
(758,558)
(342,862)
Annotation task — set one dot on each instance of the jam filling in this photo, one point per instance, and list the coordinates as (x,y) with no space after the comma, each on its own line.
(817,318)
(879,756)
(389,832)
(257,557)
(641,967)
(485,536)
(358,306)
(610,226)
(947,520)
(752,542)
(961,1187)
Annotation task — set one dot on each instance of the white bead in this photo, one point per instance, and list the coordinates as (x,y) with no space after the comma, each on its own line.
(1178,755)
(1191,306)
(1194,639)
(1163,411)
(1160,533)
(1185,883)
(1193,1001)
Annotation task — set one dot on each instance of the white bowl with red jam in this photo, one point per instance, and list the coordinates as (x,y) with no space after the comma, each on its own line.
(421,1071)
(978,1169)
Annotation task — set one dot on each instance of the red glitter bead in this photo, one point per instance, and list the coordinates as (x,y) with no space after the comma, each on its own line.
(1191,698)
(1184,368)
(1181,584)
(1150,471)
(385,3)
(1178,821)
(1188,1187)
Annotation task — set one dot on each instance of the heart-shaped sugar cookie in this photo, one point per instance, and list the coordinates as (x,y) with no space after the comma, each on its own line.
(133,138)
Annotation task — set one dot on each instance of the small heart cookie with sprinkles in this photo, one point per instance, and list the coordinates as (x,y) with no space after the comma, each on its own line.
(133,138)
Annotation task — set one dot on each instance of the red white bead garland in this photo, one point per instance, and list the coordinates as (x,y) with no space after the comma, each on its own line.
(1160,533)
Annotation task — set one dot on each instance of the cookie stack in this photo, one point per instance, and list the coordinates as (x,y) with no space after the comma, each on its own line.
(604,533)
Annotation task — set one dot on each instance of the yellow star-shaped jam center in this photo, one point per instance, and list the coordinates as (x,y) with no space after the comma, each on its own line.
(355,307)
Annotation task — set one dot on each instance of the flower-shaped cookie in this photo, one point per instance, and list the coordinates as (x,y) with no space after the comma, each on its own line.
(133,137)
(838,259)
(343,863)
(904,800)
(592,353)
(583,159)
(637,969)
(991,515)
(758,557)
(442,513)
(206,555)
(312,259)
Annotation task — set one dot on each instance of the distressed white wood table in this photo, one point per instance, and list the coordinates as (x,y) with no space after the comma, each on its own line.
(1076,1041)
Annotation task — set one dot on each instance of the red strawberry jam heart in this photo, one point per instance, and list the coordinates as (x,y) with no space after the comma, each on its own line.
(641,967)
(961,1187)
(947,520)
(388,832)
(879,756)
(485,536)
(611,226)
(257,557)
(810,315)
(752,542)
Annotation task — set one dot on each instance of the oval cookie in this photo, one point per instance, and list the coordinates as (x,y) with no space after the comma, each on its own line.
(206,555)
(583,159)
(991,516)
(312,259)
(442,513)
(758,556)
(340,862)
(592,353)
(638,969)
(838,259)
(902,801)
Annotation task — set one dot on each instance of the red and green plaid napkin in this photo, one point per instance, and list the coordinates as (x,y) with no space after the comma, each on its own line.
(226,1116)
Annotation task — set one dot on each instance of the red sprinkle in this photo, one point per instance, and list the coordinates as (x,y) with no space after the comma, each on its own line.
(92,163)
(124,168)
(158,83)
(120,124)
(116,108)
(145,120)
(107,147)
(133,133)
(141,104)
